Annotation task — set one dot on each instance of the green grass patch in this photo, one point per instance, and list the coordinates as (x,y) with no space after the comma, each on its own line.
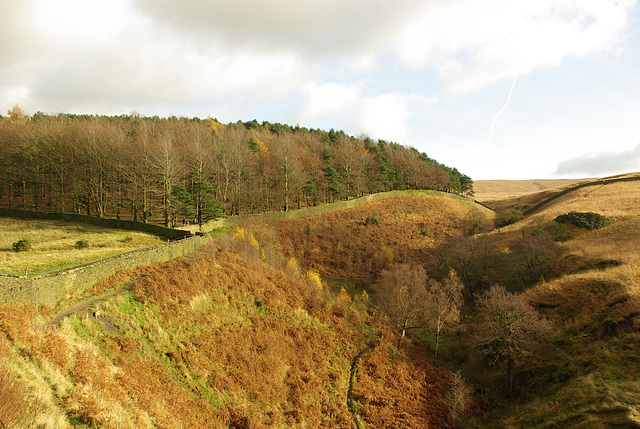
(56,244)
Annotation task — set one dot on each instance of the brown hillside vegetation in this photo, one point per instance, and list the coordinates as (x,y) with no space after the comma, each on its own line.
(220,340)
(361,241)
(503,196)
(591,377)
(608,258)
(492,190)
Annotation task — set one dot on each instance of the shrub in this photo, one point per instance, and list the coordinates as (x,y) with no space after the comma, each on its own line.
(459,399)
(81,244)
(22,246)
(371,220)
(507,217)
(587,220)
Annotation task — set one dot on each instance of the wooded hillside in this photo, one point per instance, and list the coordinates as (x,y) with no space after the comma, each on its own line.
(165,169)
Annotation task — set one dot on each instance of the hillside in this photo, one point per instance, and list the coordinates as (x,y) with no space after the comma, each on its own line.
(361,240)
(222,339)
(492,190)
(590,379)
(263,328)
(527,195)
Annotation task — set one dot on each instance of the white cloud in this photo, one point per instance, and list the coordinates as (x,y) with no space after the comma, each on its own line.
(106,57)
(308,27)
(385,116)
(382,116)
(133,52)
(598,164)
(327,99)
(475,43)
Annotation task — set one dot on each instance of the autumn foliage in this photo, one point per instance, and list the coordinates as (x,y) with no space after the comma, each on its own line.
(230,342)
(168,169)
(344,244)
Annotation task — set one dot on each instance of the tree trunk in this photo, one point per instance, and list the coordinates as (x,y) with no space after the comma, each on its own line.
(404,330)
(510,376)
(435,346)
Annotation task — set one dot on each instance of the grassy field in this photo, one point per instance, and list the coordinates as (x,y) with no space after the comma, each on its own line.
(53,244)
(491,190)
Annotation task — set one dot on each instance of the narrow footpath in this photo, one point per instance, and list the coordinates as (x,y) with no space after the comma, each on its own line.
(85,304)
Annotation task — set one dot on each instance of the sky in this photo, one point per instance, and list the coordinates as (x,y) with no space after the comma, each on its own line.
(499,89)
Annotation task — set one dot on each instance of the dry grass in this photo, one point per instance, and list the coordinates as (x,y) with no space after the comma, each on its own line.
(590,376)
(492,190)
(603,265)
(53,244)
(342,244)
(617,201)
(13,404)
(235,343)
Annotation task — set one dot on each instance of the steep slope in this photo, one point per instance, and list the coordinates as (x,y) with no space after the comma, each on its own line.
(589,377)
(222,339)
(359,242)
(500,194)
(510,196)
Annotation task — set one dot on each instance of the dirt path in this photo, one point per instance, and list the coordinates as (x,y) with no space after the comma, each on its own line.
(80,306)
(352,380)
(85,304)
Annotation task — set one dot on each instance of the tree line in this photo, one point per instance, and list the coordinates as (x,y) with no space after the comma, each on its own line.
(152,168)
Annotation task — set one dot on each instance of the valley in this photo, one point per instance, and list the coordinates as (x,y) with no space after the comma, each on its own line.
(280,322)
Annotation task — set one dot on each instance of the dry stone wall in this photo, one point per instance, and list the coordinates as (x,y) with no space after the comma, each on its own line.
(50,288)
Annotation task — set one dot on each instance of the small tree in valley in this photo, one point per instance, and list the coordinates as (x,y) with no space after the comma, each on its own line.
(402,290)
(444,299)
(508,329)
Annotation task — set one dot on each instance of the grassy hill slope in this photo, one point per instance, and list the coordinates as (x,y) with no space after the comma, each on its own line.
(237,336)
(487,191)
(361,240)
(220,340)
(506,195)
(590,376)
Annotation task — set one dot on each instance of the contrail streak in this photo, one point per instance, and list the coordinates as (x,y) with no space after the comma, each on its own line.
(495,119)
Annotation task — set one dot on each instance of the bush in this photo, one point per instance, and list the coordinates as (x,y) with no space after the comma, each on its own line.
(371,220)
(81,244)
(507,217)
(22,246)
(587,220)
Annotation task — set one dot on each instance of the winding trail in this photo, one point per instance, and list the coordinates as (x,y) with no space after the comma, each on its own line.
(85,304)
(352,379)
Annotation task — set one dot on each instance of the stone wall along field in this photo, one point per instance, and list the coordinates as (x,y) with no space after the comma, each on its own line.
(50,288)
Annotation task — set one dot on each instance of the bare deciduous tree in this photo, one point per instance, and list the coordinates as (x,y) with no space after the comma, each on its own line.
(509,328)
(444,301)
(403,292)
(459,399)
